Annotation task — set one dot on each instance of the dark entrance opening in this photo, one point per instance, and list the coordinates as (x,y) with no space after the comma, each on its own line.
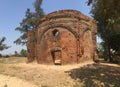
(56,55)
(56,35)
(58,58)
(55,32)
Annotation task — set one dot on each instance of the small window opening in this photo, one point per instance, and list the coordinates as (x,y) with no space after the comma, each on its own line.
(55,35)
(55,32)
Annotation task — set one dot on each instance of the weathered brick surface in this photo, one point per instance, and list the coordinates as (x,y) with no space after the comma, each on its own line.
(67,34)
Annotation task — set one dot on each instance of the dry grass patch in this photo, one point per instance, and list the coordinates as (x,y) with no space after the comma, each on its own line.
(78,75)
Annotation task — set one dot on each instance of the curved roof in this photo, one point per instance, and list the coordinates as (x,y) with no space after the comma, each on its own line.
(64,14)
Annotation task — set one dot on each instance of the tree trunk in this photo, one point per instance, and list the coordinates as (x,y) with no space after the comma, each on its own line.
(105,54)
(109,55)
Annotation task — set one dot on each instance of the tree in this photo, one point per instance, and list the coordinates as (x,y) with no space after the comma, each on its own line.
(115,43)
(107,15)
(29,22)
(16,54)
(23,53)
(90,2)
(2,45)
(100,49)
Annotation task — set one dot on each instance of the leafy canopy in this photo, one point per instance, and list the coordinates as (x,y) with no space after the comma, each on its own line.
(107,15)
(29,22)
(2,45)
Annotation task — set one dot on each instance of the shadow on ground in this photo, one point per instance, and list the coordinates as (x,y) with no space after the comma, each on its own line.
(96,75)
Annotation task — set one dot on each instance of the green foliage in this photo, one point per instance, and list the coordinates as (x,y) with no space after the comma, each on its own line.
(44,86)
(115,42)
(3,46)
(29,22)
(6,56)
(23,53)
(0,55)
(107,15)
(16,54)
(5,85)
(78,85)
(100,50)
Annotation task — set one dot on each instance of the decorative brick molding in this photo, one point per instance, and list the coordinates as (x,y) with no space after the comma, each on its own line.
(66,36)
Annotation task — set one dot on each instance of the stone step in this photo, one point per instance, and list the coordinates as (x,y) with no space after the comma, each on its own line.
(57,61)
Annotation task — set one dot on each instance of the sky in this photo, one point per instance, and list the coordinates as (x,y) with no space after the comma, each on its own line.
(13,11)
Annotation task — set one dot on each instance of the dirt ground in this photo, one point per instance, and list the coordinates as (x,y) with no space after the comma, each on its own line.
(15,72)
(7,81)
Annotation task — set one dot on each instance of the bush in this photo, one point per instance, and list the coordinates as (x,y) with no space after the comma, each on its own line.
(6,56)
(117,59)
(23,53)
(0,55)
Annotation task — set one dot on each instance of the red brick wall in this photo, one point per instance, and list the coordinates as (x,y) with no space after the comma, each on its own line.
(76,41)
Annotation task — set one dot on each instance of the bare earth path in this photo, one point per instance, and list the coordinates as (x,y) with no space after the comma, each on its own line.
(86,74)
(7,81)
(42,75)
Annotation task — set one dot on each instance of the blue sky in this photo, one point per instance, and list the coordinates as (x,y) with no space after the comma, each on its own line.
(13,11)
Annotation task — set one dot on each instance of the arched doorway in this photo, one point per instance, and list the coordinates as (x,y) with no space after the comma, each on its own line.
(59,47)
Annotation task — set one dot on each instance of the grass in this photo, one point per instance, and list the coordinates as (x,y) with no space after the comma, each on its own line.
(5,85)
(78,85)
(91,75)
(12,60)
(44,86)
(4,64)
(96,75)
(2,68)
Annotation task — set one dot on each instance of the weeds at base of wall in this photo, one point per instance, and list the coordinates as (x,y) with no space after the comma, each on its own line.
(5,85)
(78,84)
(44,86)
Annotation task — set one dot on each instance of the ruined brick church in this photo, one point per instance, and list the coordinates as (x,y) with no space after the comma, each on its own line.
(63,37)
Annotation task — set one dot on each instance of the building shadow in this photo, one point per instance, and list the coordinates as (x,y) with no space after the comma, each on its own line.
(96,75)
